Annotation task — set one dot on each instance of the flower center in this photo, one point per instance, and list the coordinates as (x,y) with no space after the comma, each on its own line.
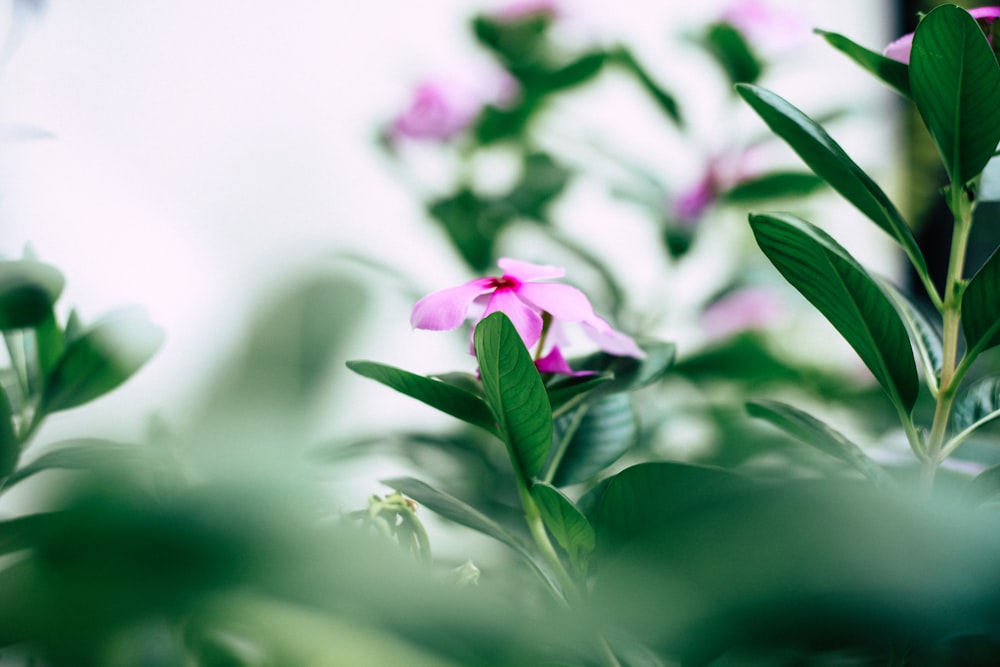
(505,283)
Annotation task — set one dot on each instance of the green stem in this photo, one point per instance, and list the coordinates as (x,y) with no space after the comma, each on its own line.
(951,314)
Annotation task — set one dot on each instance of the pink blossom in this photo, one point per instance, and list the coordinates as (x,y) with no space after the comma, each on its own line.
(740,310)
(774,31)
(520,10)
(442,108)
(521,295)
(691,204)
(900,48)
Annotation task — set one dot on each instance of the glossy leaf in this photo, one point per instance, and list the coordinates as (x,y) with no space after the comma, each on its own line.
(732,51)
(981,306)
(829,161)
(955,81)
(454,509)
(629,373)
(641,496)
(923,333)
(565,522)
(28,289)
(567,393)
(977,406)
(892,72)
(829,278)
(451,399)
(600,435)
(101,358)
(814,432)
(774,185)
(515,393)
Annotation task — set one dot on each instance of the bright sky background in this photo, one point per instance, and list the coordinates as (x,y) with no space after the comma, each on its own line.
(195,151)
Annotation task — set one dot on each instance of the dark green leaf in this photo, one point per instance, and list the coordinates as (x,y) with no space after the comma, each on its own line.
(565,393)
(580,70)
(629,373)
(50,342)
(978,405)
(565,522)
(829,161)
(451,399)
(454,509)
(100,359)
(472,223)
(955,81)
(10,445)
(981,306)
(642,496)
(925,335)
(829,278)
(892,72)
(28,289)
(775,185)
(542,180)
(814,432)
(733,53)
(514,391)
(602,434)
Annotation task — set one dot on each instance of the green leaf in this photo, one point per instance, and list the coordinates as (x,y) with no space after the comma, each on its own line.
(664,100)
(641,496)
(50,341)
(630,373)
(981,306)
(449,398)
(515,393)
(925,335)
(829,278)
(101,358)
(472,223)
(891,72)
(566,523)
(580,70)
(454,509)
(733,53)
(980,403)
(89,454)
(566,393)
(829,161)
(28,289)
(955,81)
(602,434)
(984,487)
(814,432)
(775,185)
(10,445)
(542,180)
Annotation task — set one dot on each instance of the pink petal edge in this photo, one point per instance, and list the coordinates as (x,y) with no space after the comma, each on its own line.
(447,309)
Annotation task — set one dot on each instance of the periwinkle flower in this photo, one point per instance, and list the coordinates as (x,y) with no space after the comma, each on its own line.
(525,297)
(522,10)
(772,29)
(900,48)
(741,310)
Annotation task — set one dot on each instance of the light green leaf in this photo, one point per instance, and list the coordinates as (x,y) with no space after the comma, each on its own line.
(891,72)
(100,359)
(602,434)
(515,392)
(565,522)
(984,487)
(829,161)
(829,278)
(955,81)
(89,454)
(976,407)
(630,373)
(450,398)
(814,432)
(981,306)
(923,333)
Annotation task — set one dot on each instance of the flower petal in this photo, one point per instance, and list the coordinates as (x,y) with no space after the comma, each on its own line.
(554,362)
(524,271)
(611,341)
(900,49)
(563,302)
(985,13)
(525,319)
(448,308)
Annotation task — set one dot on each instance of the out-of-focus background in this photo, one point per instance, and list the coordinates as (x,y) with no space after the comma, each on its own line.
(190,156)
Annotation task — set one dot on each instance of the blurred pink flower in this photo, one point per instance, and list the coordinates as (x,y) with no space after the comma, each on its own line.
(520,294)
(442,108)
(900,48)
(740,310)
(689,206)
(771,30)
(519,10)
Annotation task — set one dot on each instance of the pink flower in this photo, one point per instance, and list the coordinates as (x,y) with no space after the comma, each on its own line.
(691,204)
(520,10)
(520,294)
(740,310)
(900,49)
(772,30)
(442,108)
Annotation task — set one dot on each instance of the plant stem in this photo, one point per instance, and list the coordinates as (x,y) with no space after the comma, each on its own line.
(951,314)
